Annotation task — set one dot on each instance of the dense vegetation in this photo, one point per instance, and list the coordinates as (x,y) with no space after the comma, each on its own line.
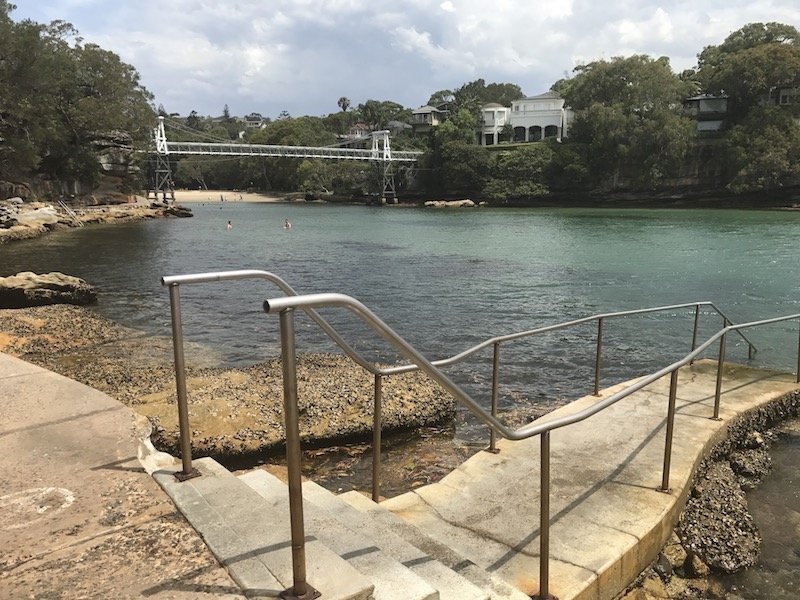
(59,97)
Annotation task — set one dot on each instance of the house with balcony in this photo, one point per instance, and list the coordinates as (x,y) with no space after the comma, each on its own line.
(493,119)
(426,118)
(540,117)
(709,113)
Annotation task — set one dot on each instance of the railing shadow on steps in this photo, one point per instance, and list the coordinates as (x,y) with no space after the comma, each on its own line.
(285,307)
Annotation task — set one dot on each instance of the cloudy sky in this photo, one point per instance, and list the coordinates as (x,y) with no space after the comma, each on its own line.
(302,55)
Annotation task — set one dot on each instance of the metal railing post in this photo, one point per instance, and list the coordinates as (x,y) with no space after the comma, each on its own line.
(597,356)
(180,384)
(720,364)
(544,519)
(797,380)
(495,386)
(300,588)
(694,330)
(376,438)
(673,388)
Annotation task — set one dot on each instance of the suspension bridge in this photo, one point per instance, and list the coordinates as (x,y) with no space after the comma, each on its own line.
(375,148)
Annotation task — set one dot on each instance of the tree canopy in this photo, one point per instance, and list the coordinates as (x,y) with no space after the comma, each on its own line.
(751,64)
(629,111)
(57,95)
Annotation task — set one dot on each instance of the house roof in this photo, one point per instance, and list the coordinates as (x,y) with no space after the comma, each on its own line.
(707,97)
(493,105)
(547,94)
(426,109)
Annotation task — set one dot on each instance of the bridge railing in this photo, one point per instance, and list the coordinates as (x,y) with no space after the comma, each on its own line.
(285,306)
(234,149)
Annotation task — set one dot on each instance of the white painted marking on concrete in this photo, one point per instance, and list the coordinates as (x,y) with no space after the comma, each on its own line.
(24,508)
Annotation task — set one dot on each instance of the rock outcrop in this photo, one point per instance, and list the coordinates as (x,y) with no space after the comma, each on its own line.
(31,289)
(466,203)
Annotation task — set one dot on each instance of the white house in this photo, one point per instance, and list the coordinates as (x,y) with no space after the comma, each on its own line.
(493,118)
(539,117)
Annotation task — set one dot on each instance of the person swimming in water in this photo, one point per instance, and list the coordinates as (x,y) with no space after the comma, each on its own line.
(287,224)
(230,225)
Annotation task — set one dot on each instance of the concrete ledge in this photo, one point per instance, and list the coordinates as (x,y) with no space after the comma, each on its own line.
(607,521)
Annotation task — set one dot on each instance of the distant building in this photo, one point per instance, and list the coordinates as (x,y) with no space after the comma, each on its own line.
(255,121)
(493,119)
(539,117)
(709,112)
(426,117)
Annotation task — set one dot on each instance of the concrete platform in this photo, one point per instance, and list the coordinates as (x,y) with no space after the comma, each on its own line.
(78,512)
(608,521)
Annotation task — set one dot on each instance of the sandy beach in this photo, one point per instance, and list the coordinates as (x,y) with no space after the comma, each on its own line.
(192,196)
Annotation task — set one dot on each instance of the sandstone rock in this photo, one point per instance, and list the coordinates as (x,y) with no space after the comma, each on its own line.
(675,553)
(178,211)
(31,289)
(450,203)
(655,588)
(698,568)
(43,216)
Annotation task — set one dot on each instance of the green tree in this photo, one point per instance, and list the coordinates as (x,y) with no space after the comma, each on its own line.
(750,65)
(58,99)
(764,150)
(519,173)
(453,163)
(629,114)
(343,103)
(377,113)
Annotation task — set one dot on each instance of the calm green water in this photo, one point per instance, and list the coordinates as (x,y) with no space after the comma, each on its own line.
(448,279)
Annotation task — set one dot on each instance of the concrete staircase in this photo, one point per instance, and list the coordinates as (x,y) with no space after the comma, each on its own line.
(355,549)
(474,535)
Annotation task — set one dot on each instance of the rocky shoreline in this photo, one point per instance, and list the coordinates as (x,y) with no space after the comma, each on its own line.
(25,220)
(234,412)
(716,533)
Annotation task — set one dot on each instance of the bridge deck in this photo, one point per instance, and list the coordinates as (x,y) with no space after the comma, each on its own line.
(608,521)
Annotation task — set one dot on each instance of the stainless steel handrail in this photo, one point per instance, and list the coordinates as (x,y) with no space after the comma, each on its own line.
(175,281)
(285,307)
(301,588)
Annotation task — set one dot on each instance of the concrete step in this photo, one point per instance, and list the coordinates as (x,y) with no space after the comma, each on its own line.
(241,529)
(498,588)
(392,580)
(450,584)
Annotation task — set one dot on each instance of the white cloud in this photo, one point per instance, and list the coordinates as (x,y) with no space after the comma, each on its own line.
(302,55)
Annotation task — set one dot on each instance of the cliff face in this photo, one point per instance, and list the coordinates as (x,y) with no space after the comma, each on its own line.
(117,177)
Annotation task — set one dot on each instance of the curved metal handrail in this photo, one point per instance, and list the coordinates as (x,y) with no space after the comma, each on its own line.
(285,307)
(275,305)
(174,280)
(531,332)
